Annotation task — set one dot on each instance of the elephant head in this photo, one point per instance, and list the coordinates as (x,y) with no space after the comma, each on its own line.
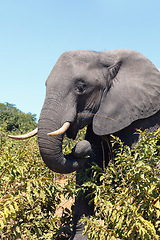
(109,89)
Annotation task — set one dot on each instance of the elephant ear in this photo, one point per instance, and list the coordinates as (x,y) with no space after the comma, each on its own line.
(134,91)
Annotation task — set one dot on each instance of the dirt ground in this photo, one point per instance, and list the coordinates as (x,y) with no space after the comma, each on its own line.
(65,202)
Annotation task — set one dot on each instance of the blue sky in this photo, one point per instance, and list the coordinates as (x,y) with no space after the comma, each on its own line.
(34,33)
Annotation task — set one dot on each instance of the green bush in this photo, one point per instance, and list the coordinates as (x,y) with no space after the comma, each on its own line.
(126,194)
(29,196)
(127,202)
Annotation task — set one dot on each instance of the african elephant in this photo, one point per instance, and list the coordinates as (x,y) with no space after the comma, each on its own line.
(112,92)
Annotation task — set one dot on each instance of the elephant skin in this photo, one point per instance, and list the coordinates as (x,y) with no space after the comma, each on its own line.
(112,92)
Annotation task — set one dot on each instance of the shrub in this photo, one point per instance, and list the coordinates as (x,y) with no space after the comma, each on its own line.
(127,202)
(126,194)
(29,194)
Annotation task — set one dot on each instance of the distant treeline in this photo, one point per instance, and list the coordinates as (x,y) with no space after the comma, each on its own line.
(14,120)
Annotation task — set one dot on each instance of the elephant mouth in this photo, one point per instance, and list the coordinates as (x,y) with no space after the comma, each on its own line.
(72,131)
(78,124)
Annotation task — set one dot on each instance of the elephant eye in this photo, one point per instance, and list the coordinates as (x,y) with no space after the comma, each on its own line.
(80,86)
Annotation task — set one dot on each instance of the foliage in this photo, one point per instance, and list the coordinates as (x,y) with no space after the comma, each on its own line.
(29,194)
(127,202)
(15,120)
(126,194)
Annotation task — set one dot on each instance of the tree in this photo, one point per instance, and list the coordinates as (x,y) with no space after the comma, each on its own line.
(15,120)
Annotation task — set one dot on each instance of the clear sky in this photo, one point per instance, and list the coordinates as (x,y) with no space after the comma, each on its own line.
(34,33)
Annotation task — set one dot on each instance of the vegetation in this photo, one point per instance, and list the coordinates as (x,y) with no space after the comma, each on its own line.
(14,120)
(128,199)
(126,194)
(30,194)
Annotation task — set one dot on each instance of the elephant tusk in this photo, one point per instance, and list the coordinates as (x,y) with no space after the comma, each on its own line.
(61,130)
(25,136)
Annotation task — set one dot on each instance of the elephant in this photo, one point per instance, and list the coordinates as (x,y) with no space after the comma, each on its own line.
(110,92)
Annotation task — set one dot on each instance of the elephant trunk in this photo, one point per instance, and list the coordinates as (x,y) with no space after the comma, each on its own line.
(51,147)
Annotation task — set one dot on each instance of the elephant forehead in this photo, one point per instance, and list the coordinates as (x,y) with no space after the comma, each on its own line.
(78,60)
(74,68)
(85,71)
(83,56)
(76,65)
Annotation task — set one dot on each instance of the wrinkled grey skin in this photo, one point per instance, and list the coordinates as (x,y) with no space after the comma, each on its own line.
(113,92)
